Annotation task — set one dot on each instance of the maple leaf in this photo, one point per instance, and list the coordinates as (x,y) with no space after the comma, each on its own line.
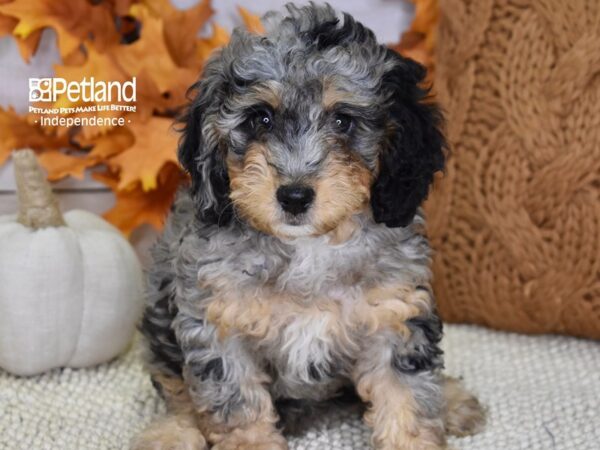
(102,67)
(59,164)
(77,57)
(180,29)
(18,133)
(108,145)
(73,21)
(150,100)
(418,42)
(7,23)
(150,53)
(135,206)
(155,145)
(120,7)
(252,22)
(27,46)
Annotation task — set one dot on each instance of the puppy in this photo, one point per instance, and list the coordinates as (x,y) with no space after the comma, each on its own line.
(296,264)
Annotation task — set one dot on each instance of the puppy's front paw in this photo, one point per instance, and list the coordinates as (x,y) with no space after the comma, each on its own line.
(171,433)
(410,442)
(252,438)
(403,432)
(463,415)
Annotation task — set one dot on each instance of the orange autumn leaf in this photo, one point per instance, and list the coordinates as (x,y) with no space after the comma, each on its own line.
(182,25)
(150,100)
(120,7)
(252,22)
(7,23)
(27,46)
(58,165)
(135,206)
(426,15)
(18,133)
(150,53)
(159,8)
(418,42)
(100,67)
(108,145)
(73,21)
(77,58)
(155,145)
(180,29)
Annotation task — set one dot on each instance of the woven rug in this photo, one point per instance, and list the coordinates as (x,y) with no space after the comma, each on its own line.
(543,393)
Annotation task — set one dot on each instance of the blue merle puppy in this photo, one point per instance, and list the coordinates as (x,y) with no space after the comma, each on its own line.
(296,266)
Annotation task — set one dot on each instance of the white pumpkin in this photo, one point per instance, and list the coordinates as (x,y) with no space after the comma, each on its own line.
(70,286)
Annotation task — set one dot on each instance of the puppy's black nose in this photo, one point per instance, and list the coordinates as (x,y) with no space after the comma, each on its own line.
(295,199)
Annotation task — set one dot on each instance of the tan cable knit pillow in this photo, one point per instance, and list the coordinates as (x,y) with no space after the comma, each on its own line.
(516,220)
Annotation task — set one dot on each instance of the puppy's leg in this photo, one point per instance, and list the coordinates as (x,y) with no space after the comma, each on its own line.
(397,372)
(403,410)
(463,414)
(179,429)
(245,420)
(228,389)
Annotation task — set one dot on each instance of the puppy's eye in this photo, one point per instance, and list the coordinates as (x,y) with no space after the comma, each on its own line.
(342,123)
(263,120)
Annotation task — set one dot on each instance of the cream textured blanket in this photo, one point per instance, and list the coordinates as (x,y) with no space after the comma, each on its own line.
(543,393)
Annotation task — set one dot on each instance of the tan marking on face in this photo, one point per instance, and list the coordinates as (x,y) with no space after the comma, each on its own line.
(333,94)
(342,190)
(269,92)
(253,185)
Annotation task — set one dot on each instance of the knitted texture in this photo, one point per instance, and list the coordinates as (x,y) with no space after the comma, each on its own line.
(542,393)
(516,219)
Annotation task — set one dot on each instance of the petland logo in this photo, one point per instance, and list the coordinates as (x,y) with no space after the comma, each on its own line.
(49,90)
(82,103)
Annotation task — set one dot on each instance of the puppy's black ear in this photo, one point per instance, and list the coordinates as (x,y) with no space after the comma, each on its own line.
(200,156)
(415,147)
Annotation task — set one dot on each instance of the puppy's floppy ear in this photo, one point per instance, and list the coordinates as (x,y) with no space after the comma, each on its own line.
(415,147)
(200,155)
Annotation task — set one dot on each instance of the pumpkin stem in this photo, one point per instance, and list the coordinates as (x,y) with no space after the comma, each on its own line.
(38,207)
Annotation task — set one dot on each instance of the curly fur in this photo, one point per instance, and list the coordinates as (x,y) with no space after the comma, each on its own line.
(254,308)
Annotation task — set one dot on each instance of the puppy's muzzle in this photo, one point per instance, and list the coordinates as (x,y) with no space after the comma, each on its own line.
(295,199)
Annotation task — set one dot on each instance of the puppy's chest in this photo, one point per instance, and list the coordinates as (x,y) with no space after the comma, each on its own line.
(307,350)
(306,313)
(314,269)
(299,317)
